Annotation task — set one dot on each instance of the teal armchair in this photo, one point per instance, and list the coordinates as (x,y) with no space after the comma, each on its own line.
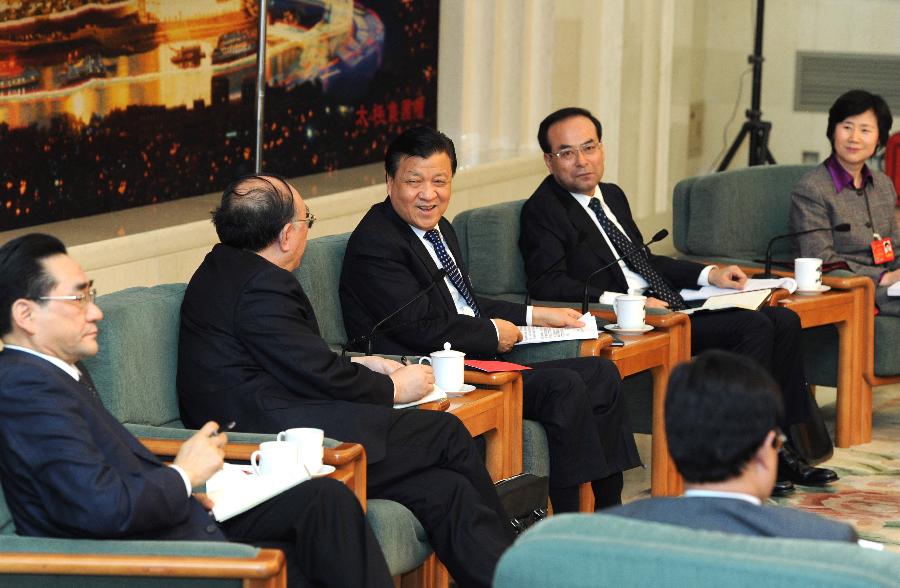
(575,551)
(135,377)
(489,242)
(730,217)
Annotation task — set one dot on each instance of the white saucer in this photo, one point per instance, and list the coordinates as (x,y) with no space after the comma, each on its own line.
(819,290)
(324,471)
(615,328)
(466,388)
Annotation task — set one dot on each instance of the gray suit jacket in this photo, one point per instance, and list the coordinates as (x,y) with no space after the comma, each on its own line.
(732,515)
(814,203)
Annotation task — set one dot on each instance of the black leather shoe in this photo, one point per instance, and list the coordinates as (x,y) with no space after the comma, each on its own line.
(783,488)
(794,468)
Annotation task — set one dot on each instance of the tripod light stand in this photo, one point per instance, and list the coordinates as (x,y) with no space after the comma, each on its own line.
(758,130)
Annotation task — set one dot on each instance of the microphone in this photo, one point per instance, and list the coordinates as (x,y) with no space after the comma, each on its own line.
(435,278)
(581,239)
(659,236)
(767,273)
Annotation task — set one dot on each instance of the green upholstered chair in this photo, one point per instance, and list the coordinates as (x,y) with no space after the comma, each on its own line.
(135,378)
(575,551)
(489,243)
(320,274)
(731,216)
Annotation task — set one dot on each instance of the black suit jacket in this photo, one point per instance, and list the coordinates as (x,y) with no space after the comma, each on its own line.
(555,226)
(385,265)
(731,515)
(250,352)
(69,469)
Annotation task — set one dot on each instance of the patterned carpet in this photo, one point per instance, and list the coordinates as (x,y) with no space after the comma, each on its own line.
(868,493)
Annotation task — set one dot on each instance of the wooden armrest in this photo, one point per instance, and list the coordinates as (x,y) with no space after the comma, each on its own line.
(438,405)
(268,564)
(477,378)
(848,282)
(593,347)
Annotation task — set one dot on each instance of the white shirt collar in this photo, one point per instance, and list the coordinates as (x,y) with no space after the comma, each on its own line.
(421,234)
(583,199)
(66,367)
(696,493)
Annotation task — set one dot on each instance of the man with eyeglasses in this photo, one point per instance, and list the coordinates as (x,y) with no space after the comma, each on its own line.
(722,415)
(574,225)
(250,352)
(70,469)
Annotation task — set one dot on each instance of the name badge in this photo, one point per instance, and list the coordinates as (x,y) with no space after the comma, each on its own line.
(882,251)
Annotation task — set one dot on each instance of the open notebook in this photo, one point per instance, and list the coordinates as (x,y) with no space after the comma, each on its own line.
(752,300)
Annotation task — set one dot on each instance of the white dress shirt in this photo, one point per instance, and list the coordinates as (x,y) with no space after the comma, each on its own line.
(636,283)
(462,307)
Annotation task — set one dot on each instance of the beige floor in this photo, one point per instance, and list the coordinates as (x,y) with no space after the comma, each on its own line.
(637,481)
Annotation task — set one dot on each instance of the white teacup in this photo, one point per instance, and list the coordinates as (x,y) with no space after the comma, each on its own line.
(448,366)
(808,273)
(308,442)
(630,311)
(275,458)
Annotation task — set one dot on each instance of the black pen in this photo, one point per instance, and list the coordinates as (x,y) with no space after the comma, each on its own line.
(228,427)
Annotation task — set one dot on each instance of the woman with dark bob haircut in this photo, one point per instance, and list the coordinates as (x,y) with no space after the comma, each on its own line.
(844,190)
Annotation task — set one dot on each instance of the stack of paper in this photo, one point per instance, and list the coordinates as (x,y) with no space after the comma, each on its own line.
(549,334)
(705,292)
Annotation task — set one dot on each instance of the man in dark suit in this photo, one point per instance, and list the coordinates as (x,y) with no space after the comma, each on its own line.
(70,469)
(395,252)
(574,225)
(722,414)
(250,352)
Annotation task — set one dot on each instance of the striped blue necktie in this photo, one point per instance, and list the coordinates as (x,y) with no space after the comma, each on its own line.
(453,273)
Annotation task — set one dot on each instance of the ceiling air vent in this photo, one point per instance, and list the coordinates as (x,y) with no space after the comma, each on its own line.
(822,77)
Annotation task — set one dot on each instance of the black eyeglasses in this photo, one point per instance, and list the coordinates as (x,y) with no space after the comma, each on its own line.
(309,220)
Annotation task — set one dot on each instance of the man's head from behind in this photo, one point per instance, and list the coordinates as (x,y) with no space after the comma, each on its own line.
(46,299)
(573,152)
(260,214)
(419,166)
(722,413)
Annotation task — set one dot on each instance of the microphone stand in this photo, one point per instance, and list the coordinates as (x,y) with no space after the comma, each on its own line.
(437,277)
(659,236)
(767,272)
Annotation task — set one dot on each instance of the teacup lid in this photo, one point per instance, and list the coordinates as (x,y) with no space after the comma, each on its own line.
(447,352)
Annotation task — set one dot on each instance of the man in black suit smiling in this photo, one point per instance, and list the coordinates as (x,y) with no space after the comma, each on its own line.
(394,253)
(588,224)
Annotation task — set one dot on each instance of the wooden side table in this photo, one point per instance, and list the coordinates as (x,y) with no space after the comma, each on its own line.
(849,309)
(658,351)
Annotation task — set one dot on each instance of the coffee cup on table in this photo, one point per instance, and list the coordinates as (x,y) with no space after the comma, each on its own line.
(275,458)
(630,311)
(309,444)
(808,273)
(448,365)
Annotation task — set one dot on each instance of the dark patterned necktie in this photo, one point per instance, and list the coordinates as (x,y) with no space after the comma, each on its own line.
(637,261)
(453,273)
(85,380)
